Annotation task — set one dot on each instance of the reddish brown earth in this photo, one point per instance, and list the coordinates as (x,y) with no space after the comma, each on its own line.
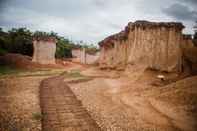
(61,110)
(19,102)
(139,101)
(116,101)
(25,62)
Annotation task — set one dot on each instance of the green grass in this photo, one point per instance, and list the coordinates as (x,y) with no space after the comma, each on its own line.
(2,51)
(74,73)
(74,76)
(6,70)
(37,116)
(9,70)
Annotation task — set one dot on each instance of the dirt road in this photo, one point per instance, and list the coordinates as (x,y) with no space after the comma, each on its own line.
(61,110)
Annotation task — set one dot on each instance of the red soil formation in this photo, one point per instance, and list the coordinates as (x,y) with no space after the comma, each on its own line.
(24,62)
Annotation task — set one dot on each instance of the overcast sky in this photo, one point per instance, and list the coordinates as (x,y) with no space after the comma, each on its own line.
(92,20)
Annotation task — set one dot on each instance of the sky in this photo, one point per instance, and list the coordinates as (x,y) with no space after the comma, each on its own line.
(93,20)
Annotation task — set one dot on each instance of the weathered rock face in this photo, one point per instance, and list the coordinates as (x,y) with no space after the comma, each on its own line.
(82,56)
(44,51)
(155,45)
(189,54)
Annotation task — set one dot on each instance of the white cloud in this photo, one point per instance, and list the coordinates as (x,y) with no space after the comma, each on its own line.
(88,20)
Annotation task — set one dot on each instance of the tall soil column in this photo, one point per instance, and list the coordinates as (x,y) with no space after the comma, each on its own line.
(155,45)
(44,50)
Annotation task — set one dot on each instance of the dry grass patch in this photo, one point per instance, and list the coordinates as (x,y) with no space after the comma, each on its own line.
(19,100)
(74,76)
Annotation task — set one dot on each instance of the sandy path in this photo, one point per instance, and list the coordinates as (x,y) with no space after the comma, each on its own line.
(61,110)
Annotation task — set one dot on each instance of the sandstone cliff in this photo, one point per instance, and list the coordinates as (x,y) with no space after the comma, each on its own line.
(154,45)
(44,50)
(189,54)
(84,57)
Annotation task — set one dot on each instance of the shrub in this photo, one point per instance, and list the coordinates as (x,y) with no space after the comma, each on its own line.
(37,116)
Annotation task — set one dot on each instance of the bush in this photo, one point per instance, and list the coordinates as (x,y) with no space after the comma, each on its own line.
(37,116)
(20,41)
(2,52)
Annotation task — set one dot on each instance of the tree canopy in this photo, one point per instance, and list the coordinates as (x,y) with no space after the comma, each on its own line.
(20,40)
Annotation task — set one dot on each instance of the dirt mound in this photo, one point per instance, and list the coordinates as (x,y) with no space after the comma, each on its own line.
(183,96)
(24,62)
(151,78)
(181,92)
(131,101)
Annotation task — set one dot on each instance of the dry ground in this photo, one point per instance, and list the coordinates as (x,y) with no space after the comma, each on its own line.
(19,103)
(139,101)
(117,101)
(19,97)
(61,110)
(19,100)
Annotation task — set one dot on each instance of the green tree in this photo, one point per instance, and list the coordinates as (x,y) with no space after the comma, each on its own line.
(64,48)
(20,41)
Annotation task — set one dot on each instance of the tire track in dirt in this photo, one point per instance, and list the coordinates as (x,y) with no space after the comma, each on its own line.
(147,111)
(61,110)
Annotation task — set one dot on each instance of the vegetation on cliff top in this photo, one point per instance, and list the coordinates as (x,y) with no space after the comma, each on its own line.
(20,41)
